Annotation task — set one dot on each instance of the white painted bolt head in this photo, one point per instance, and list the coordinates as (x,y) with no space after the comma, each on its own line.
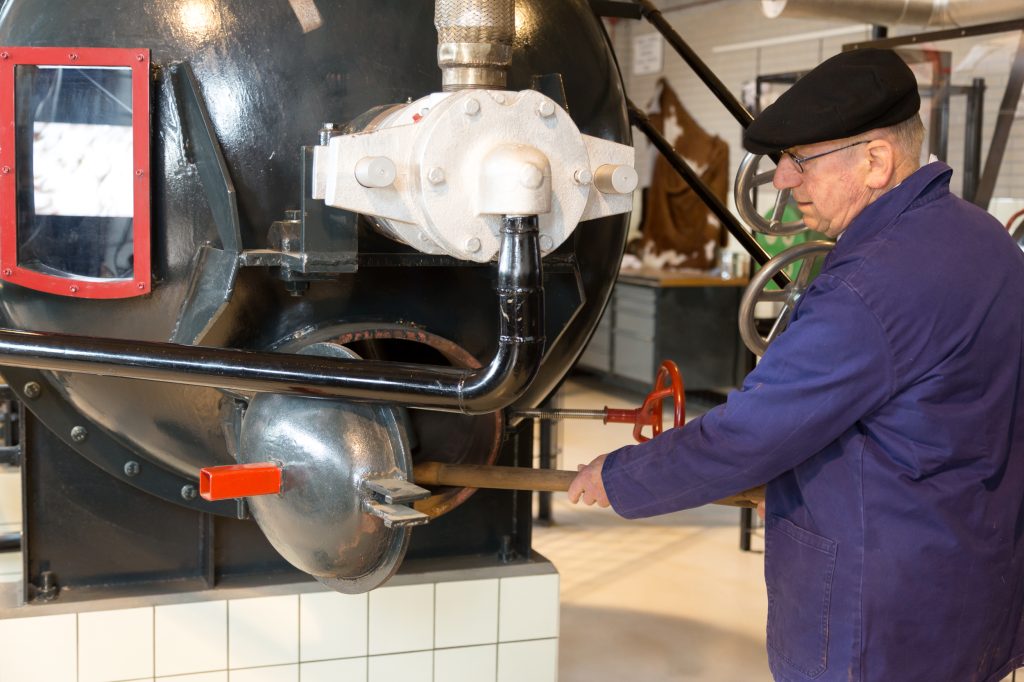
(471,107)
(473,245)
(546,242)
(435,175)
(546,108)
(531,177)
(583,176)
(499,98)
(376,172)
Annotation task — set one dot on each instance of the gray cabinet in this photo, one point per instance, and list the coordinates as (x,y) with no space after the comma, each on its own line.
(690,320)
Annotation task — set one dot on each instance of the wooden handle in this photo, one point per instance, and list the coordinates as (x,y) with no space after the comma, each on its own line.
(518,478)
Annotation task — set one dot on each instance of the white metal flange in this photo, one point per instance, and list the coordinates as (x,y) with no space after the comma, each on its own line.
(445,148)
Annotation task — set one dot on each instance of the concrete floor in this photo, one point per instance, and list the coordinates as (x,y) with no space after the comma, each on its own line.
(667,599)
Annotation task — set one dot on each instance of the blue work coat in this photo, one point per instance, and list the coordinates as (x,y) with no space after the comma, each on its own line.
(889,422)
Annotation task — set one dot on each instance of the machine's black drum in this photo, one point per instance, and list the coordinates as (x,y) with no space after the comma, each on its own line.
(270,74)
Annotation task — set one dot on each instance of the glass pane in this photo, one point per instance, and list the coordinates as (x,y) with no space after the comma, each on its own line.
(75,181)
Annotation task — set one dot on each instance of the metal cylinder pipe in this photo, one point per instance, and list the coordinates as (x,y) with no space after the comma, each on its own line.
(487,389)
(933,13)
(474,42)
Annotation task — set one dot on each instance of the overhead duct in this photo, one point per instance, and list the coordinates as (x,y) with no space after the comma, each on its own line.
(891,12)
(474,42)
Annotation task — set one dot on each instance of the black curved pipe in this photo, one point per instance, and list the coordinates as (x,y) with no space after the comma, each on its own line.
(487,389)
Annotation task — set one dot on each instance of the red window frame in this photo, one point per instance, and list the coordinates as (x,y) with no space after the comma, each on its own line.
(81,287)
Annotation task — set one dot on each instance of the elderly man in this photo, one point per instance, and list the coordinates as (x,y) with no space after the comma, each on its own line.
(888,420)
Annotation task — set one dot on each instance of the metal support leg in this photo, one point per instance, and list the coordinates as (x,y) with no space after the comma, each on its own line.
(746,528)
(546,447)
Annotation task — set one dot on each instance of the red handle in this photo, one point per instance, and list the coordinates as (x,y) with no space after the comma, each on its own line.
(668,384)
(239,480)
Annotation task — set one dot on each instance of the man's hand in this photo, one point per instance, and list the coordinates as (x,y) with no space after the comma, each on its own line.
(588,485)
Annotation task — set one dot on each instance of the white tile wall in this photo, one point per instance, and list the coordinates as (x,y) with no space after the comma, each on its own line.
(466,664)
(191,638)
(414,667)
(115,645)
(536,661)
(278,673)
(466,613)
(263,631)
(346,670)
(528,608)
(332,625)
(427,632)
(40,648)
(219,676)
(401,619)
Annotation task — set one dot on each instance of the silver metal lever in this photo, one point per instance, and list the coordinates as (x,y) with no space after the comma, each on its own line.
(396,515)
(396,490)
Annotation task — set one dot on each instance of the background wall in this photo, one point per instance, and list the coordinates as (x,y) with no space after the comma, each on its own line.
(738,43)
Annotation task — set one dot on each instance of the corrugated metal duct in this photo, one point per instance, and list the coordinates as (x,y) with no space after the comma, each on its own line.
(930,13)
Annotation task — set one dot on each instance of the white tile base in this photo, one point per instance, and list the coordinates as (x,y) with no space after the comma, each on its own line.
(429,627)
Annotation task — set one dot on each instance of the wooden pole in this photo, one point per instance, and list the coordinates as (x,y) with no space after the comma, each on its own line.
(520,478)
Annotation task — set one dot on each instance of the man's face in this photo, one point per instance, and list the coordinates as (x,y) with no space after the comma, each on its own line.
(831,191)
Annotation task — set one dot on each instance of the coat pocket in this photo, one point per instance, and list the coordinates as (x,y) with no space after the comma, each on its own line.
(799,567)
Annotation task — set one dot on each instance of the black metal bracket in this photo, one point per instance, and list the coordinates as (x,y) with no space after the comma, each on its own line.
(619,10)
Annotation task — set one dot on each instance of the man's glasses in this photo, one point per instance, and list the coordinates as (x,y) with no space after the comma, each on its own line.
(801,160)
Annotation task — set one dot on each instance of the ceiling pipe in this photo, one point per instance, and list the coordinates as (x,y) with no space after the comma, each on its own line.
(928,13)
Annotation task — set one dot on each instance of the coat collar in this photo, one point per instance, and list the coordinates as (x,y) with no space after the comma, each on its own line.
(927,183)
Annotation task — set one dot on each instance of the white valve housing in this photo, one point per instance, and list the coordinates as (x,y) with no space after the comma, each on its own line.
(463,159)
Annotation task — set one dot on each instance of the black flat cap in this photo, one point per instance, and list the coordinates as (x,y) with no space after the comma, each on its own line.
(845,95)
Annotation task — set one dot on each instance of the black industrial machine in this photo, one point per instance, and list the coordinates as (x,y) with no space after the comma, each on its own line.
(277,234)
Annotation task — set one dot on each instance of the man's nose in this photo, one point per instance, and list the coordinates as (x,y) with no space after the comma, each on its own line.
(786,174)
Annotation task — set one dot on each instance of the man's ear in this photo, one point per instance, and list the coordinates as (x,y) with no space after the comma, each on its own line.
(881,157)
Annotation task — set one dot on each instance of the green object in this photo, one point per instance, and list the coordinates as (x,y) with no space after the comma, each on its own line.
(776,244)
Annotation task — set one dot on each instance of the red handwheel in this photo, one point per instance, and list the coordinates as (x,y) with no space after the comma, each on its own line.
(668,384)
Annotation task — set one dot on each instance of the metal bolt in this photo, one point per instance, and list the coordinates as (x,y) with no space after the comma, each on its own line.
(471,107)
(32,389)
(424,111)
(139,172)
(546,242)
(473,245)
(73,289)
(8,272)
(583,176)
(435,175)
(327,131)
(140,57)
(5,55)
(188,493)
(531,177)
(73,57)
(499,98)
(131,468)
(546,108)
(6,170)
(141,286)
(78,434)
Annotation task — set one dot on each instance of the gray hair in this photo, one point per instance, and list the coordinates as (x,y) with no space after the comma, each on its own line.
(907,137)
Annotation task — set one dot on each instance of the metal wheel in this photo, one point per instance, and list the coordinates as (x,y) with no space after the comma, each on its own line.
(747,180)
(808,253)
